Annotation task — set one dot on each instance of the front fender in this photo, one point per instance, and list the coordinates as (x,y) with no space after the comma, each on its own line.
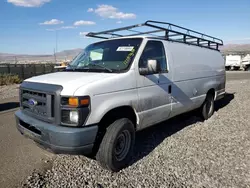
(103,103)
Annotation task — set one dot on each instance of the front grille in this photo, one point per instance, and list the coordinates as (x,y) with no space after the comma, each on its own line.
(38,103)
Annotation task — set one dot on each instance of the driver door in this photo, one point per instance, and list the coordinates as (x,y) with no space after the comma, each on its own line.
(153,89)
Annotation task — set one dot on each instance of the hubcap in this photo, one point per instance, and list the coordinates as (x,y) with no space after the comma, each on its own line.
(122,146)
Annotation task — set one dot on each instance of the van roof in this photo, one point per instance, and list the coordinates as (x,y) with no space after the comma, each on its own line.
(167,31)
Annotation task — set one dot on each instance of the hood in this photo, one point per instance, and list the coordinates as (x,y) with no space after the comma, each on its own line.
(70,81)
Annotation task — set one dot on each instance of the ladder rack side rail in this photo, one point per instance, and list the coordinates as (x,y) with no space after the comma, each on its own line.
(194,44)
(118,29)
(94,36)
(177,32)
(152,21)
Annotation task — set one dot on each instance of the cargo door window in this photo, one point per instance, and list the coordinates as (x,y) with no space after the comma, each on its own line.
(154,50)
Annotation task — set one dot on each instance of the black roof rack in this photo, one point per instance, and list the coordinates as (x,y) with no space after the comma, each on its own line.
(169,32)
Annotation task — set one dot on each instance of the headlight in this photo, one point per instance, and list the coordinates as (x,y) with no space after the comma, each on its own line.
(73,116)
(70,117)
(74,110)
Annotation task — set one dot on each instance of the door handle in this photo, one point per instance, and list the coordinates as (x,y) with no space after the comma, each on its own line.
(169,89)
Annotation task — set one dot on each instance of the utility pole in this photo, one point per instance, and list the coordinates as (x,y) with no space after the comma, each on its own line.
(56,39)
(55,54)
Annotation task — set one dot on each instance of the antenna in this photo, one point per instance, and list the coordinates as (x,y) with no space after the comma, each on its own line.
(56,39)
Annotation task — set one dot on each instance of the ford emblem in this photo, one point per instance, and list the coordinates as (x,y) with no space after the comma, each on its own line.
(32,102)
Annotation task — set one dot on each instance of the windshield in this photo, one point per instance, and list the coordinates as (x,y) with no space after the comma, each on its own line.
(106,56)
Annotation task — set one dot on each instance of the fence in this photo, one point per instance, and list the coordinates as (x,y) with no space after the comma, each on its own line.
(27,70)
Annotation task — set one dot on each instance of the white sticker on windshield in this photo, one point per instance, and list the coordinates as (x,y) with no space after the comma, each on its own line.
(125,48)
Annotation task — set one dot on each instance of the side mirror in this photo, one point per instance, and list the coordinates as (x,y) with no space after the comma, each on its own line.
(153,67)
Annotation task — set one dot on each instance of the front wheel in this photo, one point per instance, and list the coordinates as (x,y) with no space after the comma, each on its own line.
(117,145)
(207,108)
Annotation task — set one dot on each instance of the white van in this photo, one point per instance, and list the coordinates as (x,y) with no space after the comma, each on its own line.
(233,62)
(119,86)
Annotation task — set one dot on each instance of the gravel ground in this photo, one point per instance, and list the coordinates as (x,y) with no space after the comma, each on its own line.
(182,152)
(9,91)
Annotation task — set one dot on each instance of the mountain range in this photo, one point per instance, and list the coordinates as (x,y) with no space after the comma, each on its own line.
(63,55)
(70,54)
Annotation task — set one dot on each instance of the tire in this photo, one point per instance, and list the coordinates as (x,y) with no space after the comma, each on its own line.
(117,145)
(207,108)
(248,68)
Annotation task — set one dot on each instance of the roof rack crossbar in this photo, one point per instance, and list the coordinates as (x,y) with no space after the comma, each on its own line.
(144,33)
(173,33)
(114,34)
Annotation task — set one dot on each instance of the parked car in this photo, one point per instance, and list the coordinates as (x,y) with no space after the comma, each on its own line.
(119,86)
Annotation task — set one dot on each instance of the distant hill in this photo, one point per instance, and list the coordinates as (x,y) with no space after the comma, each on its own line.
(66,54)
(70,54)
(5,54)
(235,48)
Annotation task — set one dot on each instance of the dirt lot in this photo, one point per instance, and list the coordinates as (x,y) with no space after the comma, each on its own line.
(182,152)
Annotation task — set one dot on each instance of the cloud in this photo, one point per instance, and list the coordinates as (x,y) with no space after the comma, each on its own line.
(82,22)
(28,3)
(108,11)
(90,10)
(52,22)
(62,28)
(119,22)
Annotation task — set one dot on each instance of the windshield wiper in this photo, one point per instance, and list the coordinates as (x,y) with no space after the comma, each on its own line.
(86,67)
(98,65)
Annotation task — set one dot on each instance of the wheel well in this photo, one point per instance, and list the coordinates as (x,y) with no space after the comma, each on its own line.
(109,118)
(117,113)
(211,92)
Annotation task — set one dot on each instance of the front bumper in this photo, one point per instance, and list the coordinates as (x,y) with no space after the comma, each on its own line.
(57,139)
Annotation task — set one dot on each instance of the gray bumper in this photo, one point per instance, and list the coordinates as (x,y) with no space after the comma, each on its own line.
(57,139)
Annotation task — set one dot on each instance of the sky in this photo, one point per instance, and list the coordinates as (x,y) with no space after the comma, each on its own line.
(31,26)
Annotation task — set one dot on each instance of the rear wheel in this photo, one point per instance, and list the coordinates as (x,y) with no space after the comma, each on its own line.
(207,108)
(117,145)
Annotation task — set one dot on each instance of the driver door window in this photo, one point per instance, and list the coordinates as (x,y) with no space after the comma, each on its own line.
(154,50)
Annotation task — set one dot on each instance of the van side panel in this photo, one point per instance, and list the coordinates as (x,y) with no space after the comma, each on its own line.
(195,70)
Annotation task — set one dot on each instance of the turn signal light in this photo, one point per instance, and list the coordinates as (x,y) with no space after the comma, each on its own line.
(84,102)
(74,101)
